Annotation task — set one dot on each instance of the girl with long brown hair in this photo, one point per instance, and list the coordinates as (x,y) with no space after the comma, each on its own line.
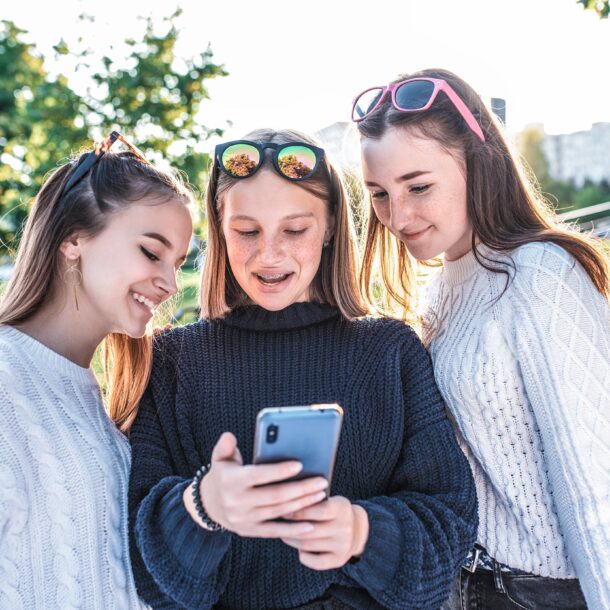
(99,253)
(518,327)
(284,324)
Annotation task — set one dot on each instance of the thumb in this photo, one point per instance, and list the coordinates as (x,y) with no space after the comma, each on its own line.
(226,449)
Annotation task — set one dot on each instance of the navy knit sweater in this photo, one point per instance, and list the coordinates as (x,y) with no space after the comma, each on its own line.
(397,458)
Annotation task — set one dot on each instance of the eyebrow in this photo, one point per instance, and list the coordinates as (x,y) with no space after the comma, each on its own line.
(403,178)
(166,243)
(161,238)
(289,217)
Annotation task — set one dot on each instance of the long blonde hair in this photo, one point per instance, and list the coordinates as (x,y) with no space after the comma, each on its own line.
(116,181)
(504,206)
(336,282)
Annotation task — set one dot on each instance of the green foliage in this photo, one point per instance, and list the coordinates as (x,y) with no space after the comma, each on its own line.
(38,126)
(152,95)
(157,93)
(601,7)
(530,146)
(592,194)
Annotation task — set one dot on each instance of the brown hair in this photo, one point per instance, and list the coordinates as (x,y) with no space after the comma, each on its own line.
(113,183)
(336,281)
(504,204)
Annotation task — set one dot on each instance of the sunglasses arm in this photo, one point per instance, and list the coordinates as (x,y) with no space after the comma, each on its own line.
(463,110)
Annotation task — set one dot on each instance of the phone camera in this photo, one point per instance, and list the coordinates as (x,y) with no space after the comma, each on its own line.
(272,432)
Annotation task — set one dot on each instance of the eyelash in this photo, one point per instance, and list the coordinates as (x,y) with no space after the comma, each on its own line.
(416,190)
(148,254)
(379,195)
(420,188)
(254,233)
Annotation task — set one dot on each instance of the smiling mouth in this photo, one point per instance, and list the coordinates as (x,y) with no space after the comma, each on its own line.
(145,302)
(415,235)
(272,279)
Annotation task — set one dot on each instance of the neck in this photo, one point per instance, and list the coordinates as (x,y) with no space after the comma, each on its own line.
(68,332)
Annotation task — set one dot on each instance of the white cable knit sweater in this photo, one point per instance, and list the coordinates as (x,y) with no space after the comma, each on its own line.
(526,376)
(64,471)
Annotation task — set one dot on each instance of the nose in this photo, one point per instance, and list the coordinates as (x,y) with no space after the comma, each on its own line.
(167,282)
(400,215)
(270,251)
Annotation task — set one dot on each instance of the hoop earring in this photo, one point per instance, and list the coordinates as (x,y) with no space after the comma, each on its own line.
(74,277)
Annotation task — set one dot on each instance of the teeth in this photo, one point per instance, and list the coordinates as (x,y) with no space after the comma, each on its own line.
(270,278)
(142,299)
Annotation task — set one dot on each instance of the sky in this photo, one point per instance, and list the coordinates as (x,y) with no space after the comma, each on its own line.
(300,65)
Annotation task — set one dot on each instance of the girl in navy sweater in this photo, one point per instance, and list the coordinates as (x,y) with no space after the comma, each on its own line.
(283,324)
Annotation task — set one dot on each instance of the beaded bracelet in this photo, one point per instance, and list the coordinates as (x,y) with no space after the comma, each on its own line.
(203,515)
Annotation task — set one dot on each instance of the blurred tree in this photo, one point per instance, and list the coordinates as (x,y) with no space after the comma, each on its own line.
(601,7)
(560,193)
(156,95)
(530,147)
(41,122)
(153,95)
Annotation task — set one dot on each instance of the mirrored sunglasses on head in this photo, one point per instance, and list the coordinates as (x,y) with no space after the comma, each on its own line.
(243,158)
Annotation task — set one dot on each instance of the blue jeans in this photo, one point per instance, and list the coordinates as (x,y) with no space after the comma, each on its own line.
(497,590)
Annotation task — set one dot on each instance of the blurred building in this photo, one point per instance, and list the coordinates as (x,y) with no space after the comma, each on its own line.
(579,156)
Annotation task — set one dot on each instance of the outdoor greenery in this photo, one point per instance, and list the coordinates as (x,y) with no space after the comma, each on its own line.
(601,7)
(152,95)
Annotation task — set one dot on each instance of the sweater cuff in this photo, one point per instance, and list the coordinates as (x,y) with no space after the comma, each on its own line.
(376,567)
(197,550)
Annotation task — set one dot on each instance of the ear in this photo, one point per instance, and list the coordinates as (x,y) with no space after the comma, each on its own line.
(70,247)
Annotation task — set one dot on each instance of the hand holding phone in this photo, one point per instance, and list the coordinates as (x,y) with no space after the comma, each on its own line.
(248,499)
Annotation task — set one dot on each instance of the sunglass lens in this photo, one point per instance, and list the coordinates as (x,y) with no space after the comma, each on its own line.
(366,102)
(241,160)
(414,95)
(297,162)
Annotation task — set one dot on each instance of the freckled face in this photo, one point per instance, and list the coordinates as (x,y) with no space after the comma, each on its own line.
(274,231)
(418,191)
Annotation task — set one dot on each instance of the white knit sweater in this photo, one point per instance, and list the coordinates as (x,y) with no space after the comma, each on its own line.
(64,471)
(526,375)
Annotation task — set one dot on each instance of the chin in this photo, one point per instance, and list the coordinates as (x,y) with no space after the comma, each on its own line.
(425,253)
(272,304)
(134,331)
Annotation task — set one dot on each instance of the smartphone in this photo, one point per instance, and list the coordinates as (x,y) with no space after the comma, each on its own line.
(309,434)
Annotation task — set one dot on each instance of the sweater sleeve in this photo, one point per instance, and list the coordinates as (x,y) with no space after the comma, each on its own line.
(562,333)
(176,563)
(421,531)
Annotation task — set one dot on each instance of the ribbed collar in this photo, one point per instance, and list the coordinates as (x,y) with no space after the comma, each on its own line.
(297,315)
(458,271)
(52,361)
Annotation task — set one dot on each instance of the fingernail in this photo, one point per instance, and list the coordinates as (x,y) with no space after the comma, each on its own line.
(296,467)
(320,496)
(306,528)
(323,484)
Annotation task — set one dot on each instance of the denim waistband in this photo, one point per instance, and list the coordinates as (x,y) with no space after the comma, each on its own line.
(479,559)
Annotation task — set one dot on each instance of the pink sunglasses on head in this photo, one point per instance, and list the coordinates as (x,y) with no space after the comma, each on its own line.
(412,95)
